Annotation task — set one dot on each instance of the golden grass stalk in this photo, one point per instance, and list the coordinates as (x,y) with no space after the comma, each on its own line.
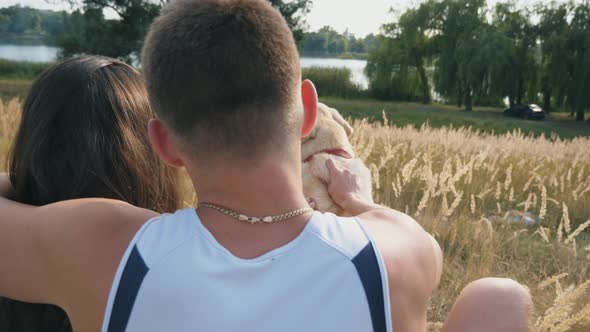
(577,232)
(566,219)
(543,209)
(552,280)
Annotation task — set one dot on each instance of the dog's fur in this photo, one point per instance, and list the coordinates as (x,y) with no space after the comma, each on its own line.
(331,132)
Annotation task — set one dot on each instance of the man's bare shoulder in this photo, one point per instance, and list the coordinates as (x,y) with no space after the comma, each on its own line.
(396,233)
(413,260)
(401,239)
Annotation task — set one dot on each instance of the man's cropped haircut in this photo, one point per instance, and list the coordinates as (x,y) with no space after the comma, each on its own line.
(223,73)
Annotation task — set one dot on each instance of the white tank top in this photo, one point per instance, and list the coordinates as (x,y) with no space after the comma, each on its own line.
(176,277)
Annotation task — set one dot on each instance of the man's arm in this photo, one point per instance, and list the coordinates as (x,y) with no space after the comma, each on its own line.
(413,261)
(50,253)
(412,257)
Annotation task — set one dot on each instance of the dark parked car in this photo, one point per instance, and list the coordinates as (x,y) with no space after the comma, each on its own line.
(531,111)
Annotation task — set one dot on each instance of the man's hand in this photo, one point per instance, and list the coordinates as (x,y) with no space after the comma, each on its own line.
(345,190)
(5,185)
(312,203)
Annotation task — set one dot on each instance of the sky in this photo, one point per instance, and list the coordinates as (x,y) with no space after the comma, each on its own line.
(360,17)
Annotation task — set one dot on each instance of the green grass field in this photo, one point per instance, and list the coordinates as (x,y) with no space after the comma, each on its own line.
(486,119)
(10,88)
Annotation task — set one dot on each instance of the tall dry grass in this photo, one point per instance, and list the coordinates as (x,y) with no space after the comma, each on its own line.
(472,190)
(9,118)
(467,189)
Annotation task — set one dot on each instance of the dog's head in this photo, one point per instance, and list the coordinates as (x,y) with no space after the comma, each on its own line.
(329,140)
(329,135)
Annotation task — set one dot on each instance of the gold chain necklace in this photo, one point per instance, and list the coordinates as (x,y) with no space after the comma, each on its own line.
(256,220)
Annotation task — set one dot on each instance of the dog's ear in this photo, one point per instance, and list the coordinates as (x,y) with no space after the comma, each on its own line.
(338,118)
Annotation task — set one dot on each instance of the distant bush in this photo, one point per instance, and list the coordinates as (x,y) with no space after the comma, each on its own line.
(395,87)
(335,82)
(389,81)
(491,101)
(21,70)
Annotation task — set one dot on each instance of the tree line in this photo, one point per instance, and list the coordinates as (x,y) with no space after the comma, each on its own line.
(87,30)
(459,50)
(327,42)
(470,54)
(28,25)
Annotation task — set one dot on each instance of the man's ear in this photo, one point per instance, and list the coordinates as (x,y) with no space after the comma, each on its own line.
(161,140)
(310,107)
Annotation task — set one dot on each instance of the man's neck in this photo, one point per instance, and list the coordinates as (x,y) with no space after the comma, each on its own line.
(266,188)
(269,188)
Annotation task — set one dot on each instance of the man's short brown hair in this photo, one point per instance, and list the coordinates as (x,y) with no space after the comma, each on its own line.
(222,73)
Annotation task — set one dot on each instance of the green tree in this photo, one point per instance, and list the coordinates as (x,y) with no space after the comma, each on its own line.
(4,21)
(53,23)
(328,42)
(405,49)
(123,37)
(30,25)
(315,43)
(337,45)
(34,23)
(356,45)
(119,38)
(371,42)
(387,78)
(461,62)
(294,12)
(415,32)
(515,65)
(579,69)
(565,66)
(553,35)
(19,22)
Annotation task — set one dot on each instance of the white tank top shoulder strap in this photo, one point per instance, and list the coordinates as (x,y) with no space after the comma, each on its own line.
(174,268)
(350,237)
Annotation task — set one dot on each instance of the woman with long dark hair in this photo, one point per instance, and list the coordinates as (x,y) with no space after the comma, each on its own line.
(83,134)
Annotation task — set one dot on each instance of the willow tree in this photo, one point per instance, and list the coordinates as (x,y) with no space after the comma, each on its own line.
(406,46)
(517,64)
(579,48)
(460,64)
(553,35)
(294,12)
(565,38)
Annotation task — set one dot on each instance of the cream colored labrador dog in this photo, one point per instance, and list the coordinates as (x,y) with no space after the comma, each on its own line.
(329,140)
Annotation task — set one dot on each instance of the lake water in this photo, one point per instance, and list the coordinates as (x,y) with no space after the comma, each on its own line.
(37,53)
(42,53)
